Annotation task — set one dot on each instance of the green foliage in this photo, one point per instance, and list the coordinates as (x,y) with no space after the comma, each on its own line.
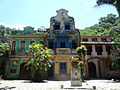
(75,59)
(81,64)
(102,28)
(4,47)
(40,61)
(5,31)
(81,50)
(115,3)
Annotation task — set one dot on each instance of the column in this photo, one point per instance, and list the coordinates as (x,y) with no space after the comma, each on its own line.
(104,53)
(94,53)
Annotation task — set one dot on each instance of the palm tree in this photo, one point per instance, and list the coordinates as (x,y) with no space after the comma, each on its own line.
(115,3)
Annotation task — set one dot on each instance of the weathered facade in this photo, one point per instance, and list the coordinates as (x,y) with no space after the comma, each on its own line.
(18,55)
(63,38)
(98,55)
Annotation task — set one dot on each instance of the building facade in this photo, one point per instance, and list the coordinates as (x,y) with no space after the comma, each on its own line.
(63,38)
(18,55)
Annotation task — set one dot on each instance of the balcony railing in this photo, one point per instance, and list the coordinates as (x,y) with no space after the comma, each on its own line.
(20,52)
(65,51)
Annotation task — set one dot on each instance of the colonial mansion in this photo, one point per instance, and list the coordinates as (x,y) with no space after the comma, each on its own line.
(63,38)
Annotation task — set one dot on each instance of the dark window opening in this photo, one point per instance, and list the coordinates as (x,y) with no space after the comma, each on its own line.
(89,50)
(22,45)
(99,49)
(13,48)
(41,42)
(63,68)
(50,44)
(74,44)
(13,71)
(85,39)
(56,26)
(94,39)
(104,39)
(13,45)
(108,49)
(67,26)
(31,42)
(63,45)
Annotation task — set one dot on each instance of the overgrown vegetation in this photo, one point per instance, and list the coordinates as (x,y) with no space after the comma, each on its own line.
(81,51)
(107,26)
(4,47)
(40,61)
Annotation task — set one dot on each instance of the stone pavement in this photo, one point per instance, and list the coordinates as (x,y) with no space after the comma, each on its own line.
(58,85)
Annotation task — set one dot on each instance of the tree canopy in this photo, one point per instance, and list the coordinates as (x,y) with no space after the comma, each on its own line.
(40,61)
(115,3)
(4,47)
(107,26)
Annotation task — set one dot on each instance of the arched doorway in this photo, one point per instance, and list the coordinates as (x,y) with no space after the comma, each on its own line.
(92,70)
(24,72)
(96,64)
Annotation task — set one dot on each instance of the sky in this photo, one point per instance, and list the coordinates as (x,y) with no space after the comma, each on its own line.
(37,13)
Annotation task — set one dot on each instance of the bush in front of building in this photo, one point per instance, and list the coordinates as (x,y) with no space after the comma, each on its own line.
(39,62)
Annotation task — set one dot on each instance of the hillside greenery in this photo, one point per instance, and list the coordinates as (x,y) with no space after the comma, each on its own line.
(107,26)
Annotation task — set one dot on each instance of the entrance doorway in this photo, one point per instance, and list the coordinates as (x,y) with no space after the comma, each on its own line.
(50,72)
(24,72)
(92,70)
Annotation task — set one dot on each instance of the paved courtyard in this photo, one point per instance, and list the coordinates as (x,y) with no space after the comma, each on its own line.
(58,85)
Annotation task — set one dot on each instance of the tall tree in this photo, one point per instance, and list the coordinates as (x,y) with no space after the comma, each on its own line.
(40,61)
(115,3)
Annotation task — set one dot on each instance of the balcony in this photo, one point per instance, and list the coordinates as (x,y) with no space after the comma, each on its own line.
(63,51)
(20,52)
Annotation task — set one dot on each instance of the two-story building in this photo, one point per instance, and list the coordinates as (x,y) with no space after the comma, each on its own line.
(63,38)
(18,55)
